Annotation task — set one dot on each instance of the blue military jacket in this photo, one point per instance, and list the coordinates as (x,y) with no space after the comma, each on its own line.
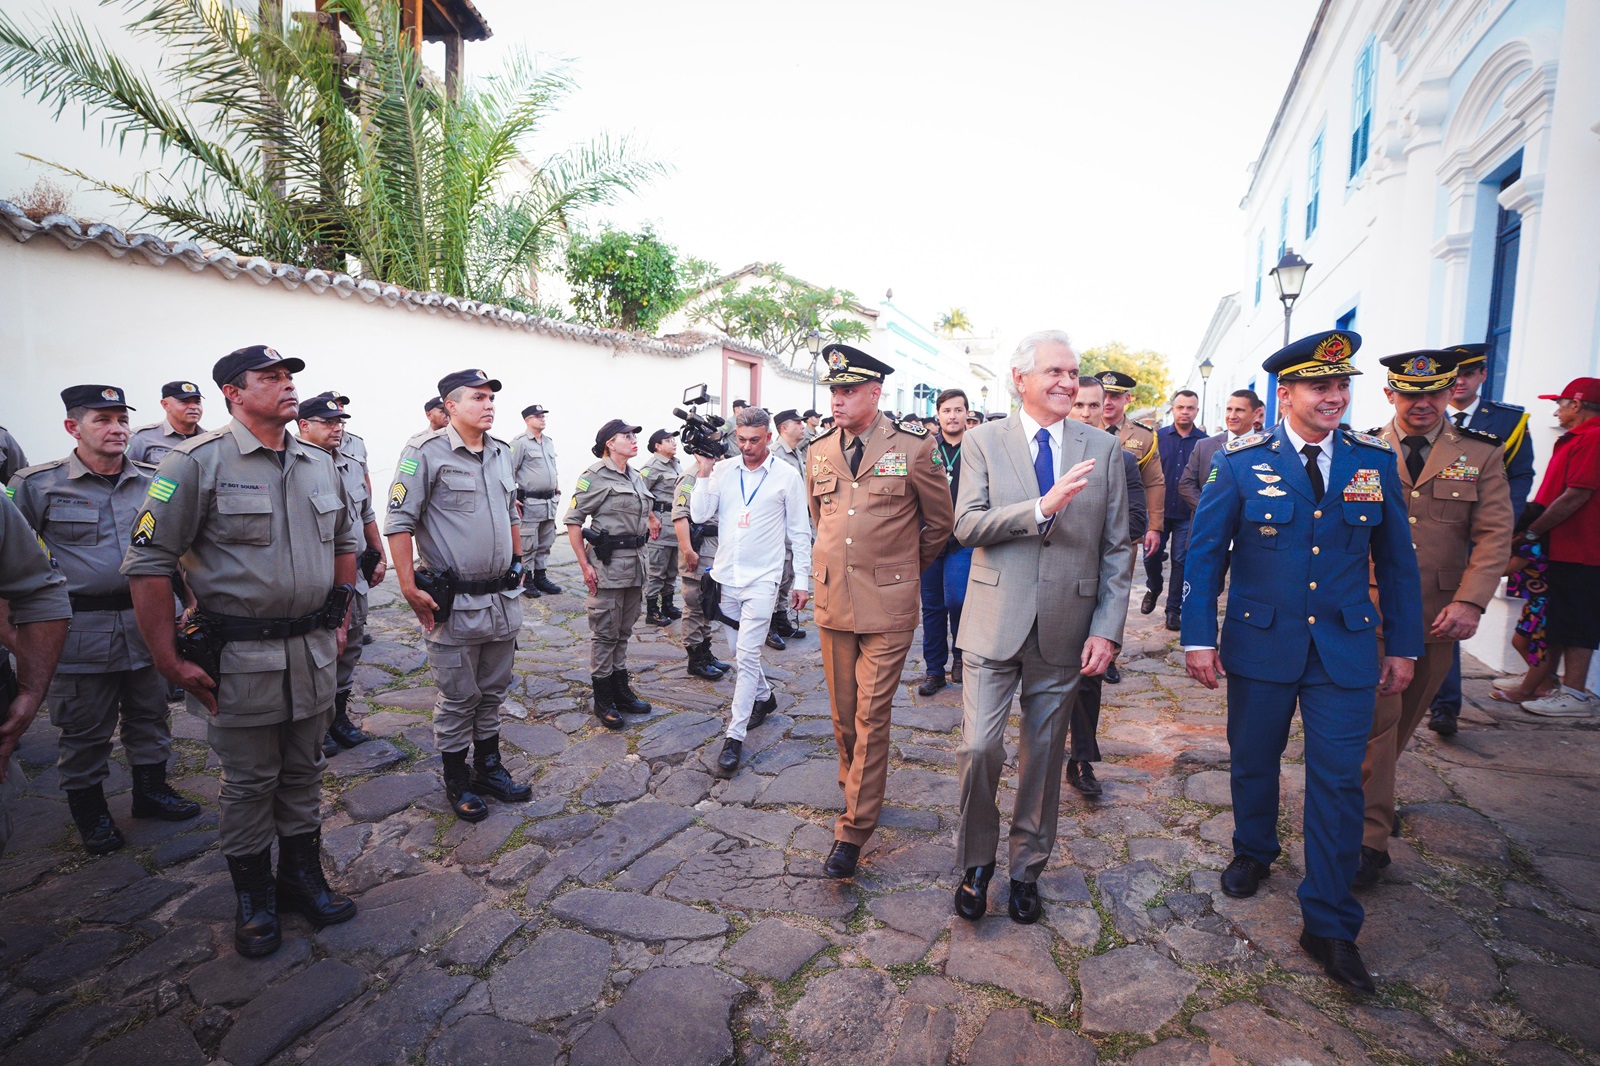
(1298,566)
(1510,423)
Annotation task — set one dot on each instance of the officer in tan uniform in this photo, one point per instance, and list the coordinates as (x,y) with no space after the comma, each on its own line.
(533,457)
(322,423)
(697,554)
(1459,502)
(34,614)
(882,511)
(613,500)
(262,527)
(84,508)
(455,500)
(1140,439)
(660,476)
(183,405)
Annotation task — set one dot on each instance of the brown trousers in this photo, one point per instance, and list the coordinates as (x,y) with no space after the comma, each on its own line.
(863,671)
(1393,722)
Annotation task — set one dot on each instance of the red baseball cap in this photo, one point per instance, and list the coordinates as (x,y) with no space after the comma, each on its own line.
(1584,390)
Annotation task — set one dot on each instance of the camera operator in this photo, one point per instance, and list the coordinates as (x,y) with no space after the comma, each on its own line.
(759,505)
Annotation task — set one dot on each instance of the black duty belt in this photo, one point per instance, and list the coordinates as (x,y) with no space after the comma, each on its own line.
(117,601)
(638,540)
(543,494)
(229,628)
(657,505)
(488,584)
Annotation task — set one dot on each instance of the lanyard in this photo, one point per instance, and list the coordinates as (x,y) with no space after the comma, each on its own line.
(753,491)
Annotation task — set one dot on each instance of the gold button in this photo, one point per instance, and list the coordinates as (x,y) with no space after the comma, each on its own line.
(1316,514)
(1312,619)
(1269,515)
(851,511)
(1415,493)
(897,577)
(855,484)
(1313,584)
(1455,494)
(849,540)
(849,569)
(1412,519)
(1316,550)
(1363,518)
(1247,614)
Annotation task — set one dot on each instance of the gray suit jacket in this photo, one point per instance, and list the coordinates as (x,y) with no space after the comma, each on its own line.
(1194,475)
(1072,575)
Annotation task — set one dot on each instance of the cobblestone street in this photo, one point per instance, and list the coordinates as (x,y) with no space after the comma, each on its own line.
(639,909)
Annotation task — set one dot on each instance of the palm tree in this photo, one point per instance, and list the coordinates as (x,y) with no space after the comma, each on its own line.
(954,321)
(286,143)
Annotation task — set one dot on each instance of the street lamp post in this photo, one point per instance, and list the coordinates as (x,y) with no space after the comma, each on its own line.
(984,392)
(814,346)
(1290,277)
(1205,369)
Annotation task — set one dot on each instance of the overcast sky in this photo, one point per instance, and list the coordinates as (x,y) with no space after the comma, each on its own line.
(1064,164)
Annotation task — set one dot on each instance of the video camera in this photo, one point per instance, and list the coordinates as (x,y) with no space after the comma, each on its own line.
(701,434)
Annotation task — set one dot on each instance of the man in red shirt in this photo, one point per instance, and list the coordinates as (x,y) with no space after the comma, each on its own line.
(1571,519)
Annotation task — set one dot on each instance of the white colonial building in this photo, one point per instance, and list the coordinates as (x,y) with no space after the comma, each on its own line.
(1438,164)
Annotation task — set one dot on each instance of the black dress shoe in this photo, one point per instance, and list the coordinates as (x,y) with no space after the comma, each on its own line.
(955,670)
(1080,775)
(1174,623)
(762,708)
(1340,961)
(775,642)
(1025,906)
(1372,863)
(728,761)
(972,894)
(1443,722)
(1113,675)
(930,684)
(1148,604)
(841,864)
(1243,876)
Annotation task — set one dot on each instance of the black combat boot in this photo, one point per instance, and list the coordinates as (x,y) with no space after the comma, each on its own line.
(530,589)
(330,747)
(668,608)
(627,701)
(782,626)
(88,806)
(255,921)
(303,887)
(489,774)
(700,662)
(544,584)
(467,804)
(716,663)
(652,612)
(605,702)
(343,730)
(154,798)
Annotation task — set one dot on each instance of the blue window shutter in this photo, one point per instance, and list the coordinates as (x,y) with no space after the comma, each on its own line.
(1361,94)
(1313,184)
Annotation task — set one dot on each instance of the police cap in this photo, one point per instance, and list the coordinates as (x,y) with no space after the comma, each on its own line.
(1116,381)
(1426,370)
(1470,356)
(788,414)
(852,366)
(95,397)
(255,357)
(466,379)
(660,435)
(609,430)
(432,403)
(1321,355)
(187,391)
(534,409)
(324,405)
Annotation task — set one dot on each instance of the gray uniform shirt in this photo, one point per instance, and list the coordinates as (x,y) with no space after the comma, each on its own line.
(616,502)
(11,457)
(355,448)
(660,477)
(534,466)
(256,534)
(791,456)
(150,444)
(30,583)
(460,506)
(680,509)
(86,522)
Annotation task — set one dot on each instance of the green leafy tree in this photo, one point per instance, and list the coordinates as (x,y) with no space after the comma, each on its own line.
(954,321)
(1150,369)
(623,280)
(779,313)
(280,139)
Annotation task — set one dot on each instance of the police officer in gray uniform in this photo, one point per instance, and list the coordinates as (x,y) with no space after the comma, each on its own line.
(12,458)
(789,446)
(84,507)
(322,423)
(613,500)
(433,410)
(533,457)
(34,614)
(261,524)
(183,405)
(454,500)
(660,476)
(697,552)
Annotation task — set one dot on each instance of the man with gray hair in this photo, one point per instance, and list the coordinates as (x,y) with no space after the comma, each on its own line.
(759,505)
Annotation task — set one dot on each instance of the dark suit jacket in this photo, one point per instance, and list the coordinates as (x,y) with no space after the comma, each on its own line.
(1194,474)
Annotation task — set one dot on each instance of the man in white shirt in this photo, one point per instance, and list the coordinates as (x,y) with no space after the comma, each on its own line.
(759,505)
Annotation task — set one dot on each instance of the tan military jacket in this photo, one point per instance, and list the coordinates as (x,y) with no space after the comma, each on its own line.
(1140,439)
(680,509)
(534,463)
(617,502)
(460,506)
(86,523)
(877,530)
(256,537)
(150,444)
(30,582)
(1460,513)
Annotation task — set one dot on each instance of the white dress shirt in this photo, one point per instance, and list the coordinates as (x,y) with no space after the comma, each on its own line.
(1031,429)
(758,513)
(1324,450)
(1463,417)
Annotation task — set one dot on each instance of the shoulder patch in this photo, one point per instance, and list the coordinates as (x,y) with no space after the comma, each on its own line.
(1369,440)
(825,433)
(1481,434)
(397,496)
(144,532)
(916,429)
(583,483)
(161,489)
(1249,440)
(1498,405)
(408,466)
(39,468)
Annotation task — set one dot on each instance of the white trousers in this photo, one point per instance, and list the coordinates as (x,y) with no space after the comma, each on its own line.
(752,605)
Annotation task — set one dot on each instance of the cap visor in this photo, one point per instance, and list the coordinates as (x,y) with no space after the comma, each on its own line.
(630,429)
(292,365)
(494,386)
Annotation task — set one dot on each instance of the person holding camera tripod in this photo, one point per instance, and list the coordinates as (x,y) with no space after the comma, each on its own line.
(613,500)
(261,524)
(759,505)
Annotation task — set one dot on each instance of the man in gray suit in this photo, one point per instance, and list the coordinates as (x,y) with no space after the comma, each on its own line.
(1044,501)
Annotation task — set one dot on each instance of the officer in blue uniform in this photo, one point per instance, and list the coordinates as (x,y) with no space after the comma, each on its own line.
(1471,410)
(1305,507)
